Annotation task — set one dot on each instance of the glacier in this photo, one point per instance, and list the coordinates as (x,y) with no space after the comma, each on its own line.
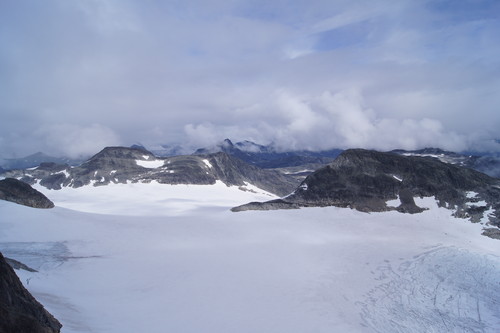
(173,258)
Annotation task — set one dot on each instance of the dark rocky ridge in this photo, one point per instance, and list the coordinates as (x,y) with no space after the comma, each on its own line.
(122,165)
(19,310)
(365,180)
(489,165)
(18,265)
(21,193)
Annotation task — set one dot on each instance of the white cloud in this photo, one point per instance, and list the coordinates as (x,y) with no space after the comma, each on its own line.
(77,141)
(332,120)
(162,71)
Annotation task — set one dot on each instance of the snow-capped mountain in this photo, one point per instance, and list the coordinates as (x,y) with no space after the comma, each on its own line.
(372,181)
(120,165)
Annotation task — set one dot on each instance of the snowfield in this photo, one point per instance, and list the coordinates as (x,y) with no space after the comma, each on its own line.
(164,258)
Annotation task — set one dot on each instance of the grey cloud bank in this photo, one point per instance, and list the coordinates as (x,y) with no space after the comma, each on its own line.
(79,75)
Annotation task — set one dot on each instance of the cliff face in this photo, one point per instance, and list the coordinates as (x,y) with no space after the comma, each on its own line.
(19,310)
(19,192)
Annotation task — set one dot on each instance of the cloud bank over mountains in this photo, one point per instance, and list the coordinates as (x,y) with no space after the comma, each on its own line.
(329,120)
(80,75)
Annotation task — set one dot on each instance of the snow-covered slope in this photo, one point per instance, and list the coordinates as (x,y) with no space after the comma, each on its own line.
(209,270)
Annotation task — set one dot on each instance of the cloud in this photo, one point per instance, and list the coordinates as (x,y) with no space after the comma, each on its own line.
(304,74)
(77,141)
(332,120)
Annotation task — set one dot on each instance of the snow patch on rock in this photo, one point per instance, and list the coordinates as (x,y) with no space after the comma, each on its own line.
(397,178)
(153,164)
(207,163)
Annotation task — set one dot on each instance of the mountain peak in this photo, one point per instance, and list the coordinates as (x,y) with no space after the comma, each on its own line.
(227,143)
(123,153)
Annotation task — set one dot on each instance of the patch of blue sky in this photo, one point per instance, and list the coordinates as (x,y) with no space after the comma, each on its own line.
(342,37)
(455,11)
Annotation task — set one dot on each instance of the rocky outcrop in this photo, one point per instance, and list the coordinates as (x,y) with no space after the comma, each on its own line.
(19,192)
(121,165)
(234,171)
(18,265)
(19,310)
(487,164)
(366,180)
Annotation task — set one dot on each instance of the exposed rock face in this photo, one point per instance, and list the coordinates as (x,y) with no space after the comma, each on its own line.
(19,192)
(19,310)
(19,265)
(365,180)
(122,165)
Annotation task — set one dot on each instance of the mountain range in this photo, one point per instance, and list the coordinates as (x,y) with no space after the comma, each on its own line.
(34,160)
(360,179)
(297,163)
(120,165)
(363,180)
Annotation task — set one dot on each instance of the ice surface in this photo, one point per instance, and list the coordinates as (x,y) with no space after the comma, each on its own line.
(147,199)
(201,268)
(37,255)
(442,290)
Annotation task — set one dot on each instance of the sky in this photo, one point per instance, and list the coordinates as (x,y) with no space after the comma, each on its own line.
(79,75)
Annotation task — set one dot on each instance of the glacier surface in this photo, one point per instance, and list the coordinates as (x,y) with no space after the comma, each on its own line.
(165,258)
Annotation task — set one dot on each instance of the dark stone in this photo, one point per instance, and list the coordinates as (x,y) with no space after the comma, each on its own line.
(19,310)
(19,192)
(268,205)
(492,233)
(408,203)
(365,180)
(489,165)
(19,265)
